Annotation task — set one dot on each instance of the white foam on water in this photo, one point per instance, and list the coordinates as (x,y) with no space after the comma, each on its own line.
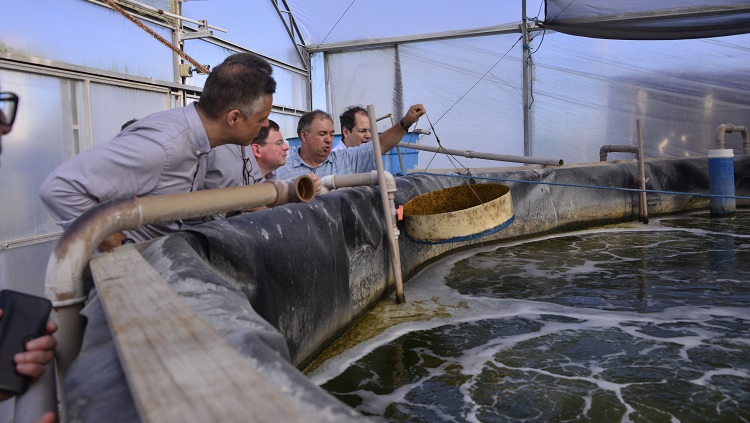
(428,289)
(705,379)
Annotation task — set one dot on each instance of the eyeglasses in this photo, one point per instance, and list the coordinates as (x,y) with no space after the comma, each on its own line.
(247,169)
(8,108)
(363,130)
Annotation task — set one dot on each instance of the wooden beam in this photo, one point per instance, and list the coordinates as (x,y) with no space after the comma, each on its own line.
(178,368)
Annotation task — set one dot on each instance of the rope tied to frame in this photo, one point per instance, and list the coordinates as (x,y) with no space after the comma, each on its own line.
(158,37)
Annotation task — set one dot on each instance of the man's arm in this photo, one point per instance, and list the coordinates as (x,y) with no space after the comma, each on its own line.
(113,241)
(393,135)
(120,168)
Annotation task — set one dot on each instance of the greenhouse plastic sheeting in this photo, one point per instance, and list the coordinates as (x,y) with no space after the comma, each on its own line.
(586,92)
(656,20)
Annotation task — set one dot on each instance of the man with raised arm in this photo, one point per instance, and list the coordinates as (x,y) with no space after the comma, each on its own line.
(315,155)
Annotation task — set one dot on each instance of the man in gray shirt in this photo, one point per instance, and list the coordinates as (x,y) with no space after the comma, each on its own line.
(166,152)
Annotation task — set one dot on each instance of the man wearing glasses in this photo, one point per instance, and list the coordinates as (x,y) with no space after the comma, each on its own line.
(235,165)
(355,128)
(40,351)
(269,150)
(315,154)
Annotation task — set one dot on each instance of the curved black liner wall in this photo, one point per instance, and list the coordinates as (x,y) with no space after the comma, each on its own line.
(280,283)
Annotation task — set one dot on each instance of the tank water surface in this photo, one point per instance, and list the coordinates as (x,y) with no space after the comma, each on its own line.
(647,323)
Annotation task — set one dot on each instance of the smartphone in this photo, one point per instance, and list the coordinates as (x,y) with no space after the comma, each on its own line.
(24,318)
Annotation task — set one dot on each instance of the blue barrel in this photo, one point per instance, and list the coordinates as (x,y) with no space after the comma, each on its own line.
(721,182)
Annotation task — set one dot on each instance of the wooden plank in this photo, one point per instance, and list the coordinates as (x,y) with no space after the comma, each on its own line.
(178,368)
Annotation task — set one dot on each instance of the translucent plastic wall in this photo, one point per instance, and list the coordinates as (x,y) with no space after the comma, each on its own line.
(255,25)
(471,89)
(81,33)
(590,92)
(584,93)
(55,121)
(332,21)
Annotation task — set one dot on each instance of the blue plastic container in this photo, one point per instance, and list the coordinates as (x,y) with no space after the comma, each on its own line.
(391,163)
(721,182)
(408,157)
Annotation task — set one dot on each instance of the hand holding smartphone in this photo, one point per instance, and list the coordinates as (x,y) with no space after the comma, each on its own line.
(24,318)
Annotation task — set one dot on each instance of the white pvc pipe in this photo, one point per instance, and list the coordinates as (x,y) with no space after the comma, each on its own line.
(641,180)
(478,155)
(641,177)
(64,280)
(389,214)
(729,128)
(389,115)
(332,182)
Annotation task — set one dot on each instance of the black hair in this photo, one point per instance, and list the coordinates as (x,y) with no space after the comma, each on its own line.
(348,119)
(264,131)
(239,82)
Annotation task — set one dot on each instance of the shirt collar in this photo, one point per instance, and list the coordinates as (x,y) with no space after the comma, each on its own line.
(297,160)
(200,138)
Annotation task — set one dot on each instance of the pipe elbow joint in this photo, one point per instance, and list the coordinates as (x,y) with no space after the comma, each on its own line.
(603,153)
(720,131)
(728,128)
(64,279)
(328,183)
(390,180)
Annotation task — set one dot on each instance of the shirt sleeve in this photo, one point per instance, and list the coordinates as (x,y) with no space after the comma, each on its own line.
(129,165)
